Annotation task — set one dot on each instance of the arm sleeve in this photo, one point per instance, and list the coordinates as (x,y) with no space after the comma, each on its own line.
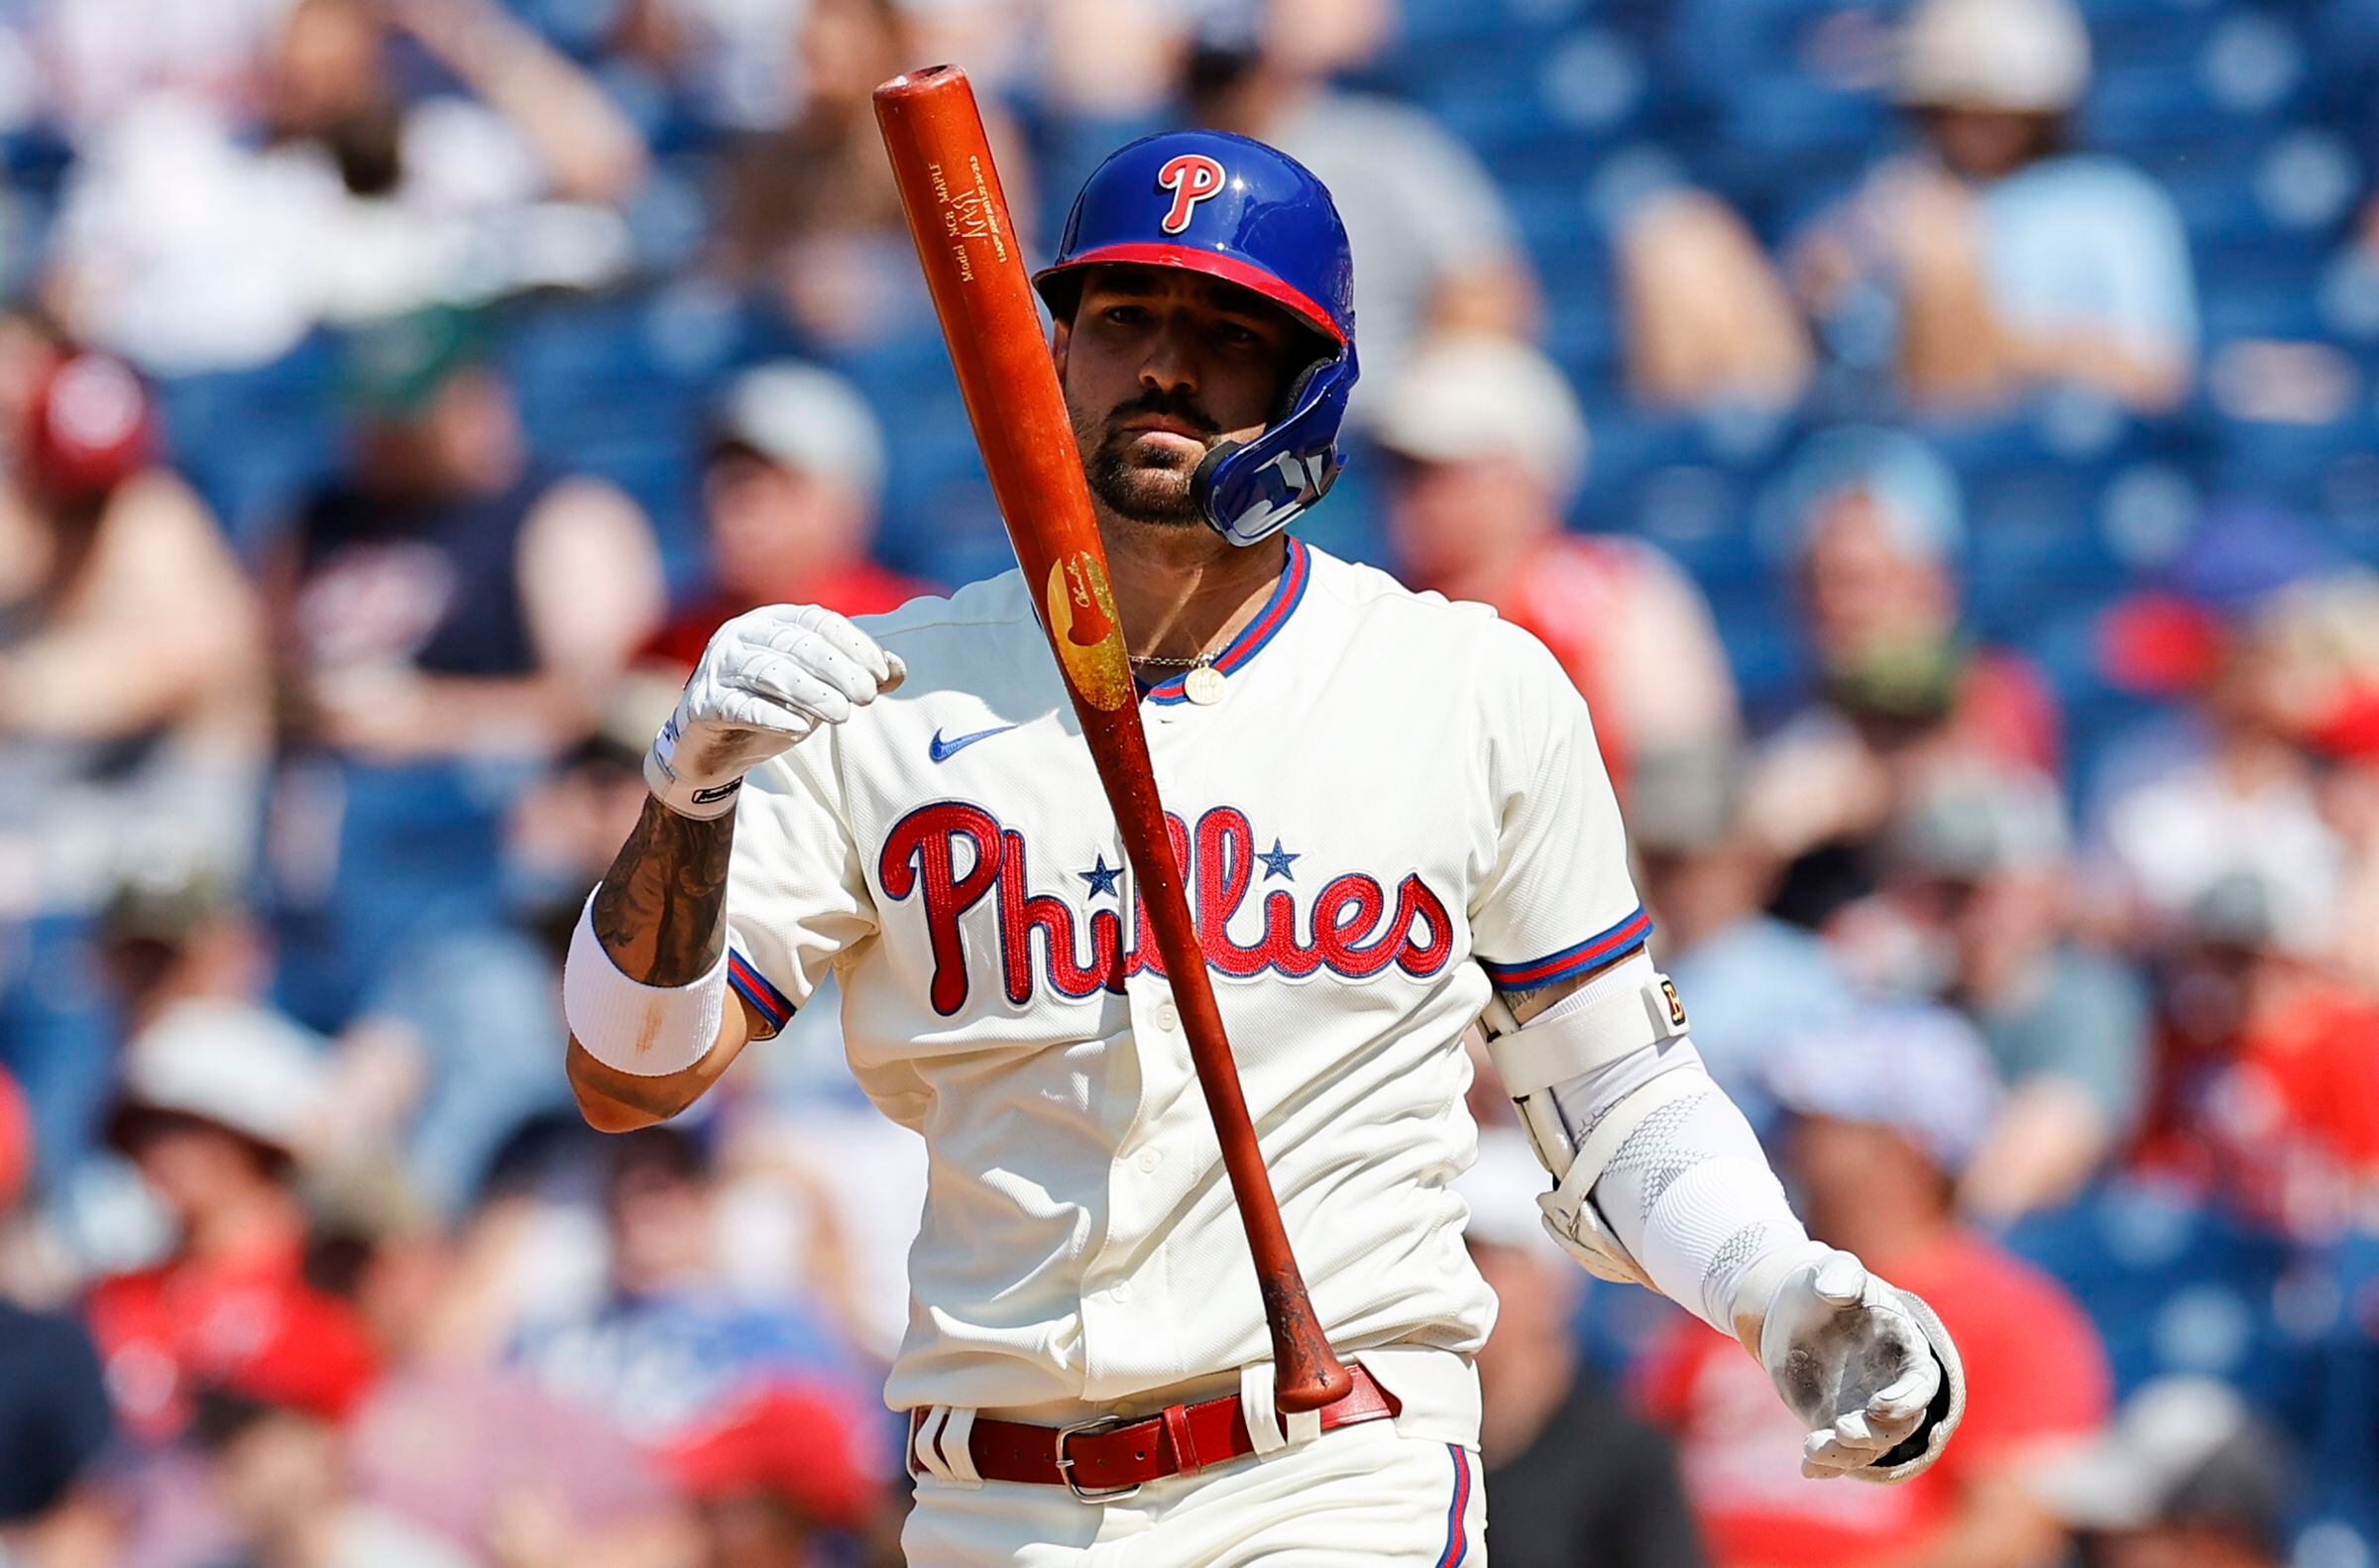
(797,891)
(1556,901)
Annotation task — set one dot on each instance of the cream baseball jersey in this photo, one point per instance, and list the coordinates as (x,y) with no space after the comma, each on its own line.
(1395,804)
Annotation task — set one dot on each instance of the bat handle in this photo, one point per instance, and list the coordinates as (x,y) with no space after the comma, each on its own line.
(1306,1373)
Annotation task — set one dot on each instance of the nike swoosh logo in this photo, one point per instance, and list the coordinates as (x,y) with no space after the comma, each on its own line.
(942,750)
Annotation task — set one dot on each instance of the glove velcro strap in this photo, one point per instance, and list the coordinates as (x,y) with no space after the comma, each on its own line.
(1924,1445)
(680,795)
(1569,1211)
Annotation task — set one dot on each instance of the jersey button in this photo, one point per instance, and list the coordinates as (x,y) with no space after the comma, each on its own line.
(1150,1160)
(1167,1018)
(1120,1291)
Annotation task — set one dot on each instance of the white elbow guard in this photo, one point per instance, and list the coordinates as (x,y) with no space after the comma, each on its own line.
(649,1031)
(1658,1178)
(1631,1009)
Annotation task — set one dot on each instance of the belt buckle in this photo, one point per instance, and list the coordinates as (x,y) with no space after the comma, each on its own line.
(1102,1423)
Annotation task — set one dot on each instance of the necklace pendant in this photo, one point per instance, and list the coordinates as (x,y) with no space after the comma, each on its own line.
(1203,685)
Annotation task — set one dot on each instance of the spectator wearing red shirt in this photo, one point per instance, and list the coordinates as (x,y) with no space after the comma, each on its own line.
(1886,1110)
(2268,1087)
(215,1105)
(789,499)
(1489,448)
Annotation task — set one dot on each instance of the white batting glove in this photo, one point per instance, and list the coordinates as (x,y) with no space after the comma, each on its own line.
(767,680)
(1867,1366)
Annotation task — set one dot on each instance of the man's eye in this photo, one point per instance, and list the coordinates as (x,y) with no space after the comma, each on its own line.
(1234,334)
(1125,315)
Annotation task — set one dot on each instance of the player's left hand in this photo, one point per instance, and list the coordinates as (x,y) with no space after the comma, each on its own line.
(1867,1366)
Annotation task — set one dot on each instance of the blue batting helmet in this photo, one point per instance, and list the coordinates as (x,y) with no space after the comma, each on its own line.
(1248,214)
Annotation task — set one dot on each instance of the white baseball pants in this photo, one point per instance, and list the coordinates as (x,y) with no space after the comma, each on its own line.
(1360,1497)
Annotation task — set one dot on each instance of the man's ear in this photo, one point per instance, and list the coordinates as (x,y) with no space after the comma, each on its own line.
(1061,336)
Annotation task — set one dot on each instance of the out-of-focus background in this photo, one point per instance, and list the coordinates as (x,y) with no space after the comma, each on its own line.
(1942,441)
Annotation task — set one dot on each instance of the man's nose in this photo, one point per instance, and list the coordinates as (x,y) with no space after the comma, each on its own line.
(1172,363)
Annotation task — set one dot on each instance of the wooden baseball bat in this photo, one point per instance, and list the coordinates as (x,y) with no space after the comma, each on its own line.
(959,218)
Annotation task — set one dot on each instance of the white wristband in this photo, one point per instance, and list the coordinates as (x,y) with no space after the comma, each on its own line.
(648,1031)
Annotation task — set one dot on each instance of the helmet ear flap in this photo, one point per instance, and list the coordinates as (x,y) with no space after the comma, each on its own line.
(1250,490)
(1202,478)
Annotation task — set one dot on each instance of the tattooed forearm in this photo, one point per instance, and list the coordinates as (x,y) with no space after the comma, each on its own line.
(661,912)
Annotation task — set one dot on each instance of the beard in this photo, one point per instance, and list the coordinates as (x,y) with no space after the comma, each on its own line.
(1138,481)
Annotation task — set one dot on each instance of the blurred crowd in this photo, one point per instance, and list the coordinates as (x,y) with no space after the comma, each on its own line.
(1960,518)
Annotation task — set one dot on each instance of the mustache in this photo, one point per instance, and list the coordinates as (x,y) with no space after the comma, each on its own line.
(1161,404)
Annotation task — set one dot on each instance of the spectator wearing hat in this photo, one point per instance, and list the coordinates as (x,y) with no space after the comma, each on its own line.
(132,706)
(451,616)
(1876,524)
(790,492)
(1977,910)
(1887,1113)
(1994,259)
(2014,261)
(2267,1084)
(2187,1475)
(215,1107)
(773,1476)
(1573,1475)
(1488,448)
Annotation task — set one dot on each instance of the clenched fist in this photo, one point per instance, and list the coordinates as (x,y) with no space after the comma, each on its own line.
(767,680)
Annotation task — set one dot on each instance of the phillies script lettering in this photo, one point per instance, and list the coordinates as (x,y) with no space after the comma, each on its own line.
(953,856)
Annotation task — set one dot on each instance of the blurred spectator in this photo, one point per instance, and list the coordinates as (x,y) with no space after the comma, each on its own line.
(1572,1474)
(55,1425)
(1888,1112)
(451,616)
(1977,911)
(1997,258)
(471,1451)
(2185,1477)
(1749,980)
(276,1466)
(811,216)
(2242,792)
(132,706)
(1877,528)
(1439,249)
(794,476)
(213,1112)
(2268,1090)
(1489,447)
(668,1345)
(770,1476)
(192,241)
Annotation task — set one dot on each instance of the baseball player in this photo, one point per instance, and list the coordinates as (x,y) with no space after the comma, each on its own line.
(1393,821)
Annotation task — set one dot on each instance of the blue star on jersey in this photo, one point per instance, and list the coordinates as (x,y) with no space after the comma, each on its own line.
(1101,878)
(1276,864)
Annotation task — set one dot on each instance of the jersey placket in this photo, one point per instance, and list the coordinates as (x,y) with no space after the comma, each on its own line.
(1129,1313)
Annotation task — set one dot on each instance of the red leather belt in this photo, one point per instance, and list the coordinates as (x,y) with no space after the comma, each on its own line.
(1114,1456)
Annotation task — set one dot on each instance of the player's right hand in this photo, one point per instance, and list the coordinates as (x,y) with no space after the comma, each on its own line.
(767,680)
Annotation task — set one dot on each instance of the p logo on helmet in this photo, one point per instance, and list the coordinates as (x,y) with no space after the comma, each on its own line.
(1191,177)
